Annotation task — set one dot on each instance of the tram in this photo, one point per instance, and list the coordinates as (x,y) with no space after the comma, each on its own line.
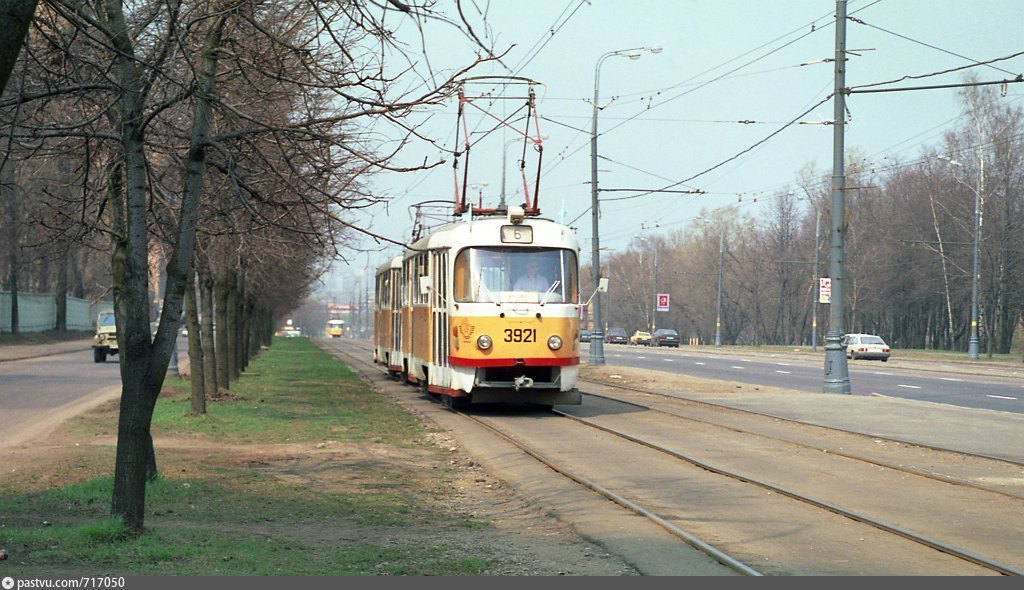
(335,328)
(485,308)
(484,311)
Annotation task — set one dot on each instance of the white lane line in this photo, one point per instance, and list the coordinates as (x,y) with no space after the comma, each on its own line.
(1000,396)
(783,372)
(698,363)
(737,367)
(909,386)
(949,379)
(667,360)
(881,373)
(784,364)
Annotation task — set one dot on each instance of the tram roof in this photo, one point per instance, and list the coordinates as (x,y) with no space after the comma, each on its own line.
(485,232)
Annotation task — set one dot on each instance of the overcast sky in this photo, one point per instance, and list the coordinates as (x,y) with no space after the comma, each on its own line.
(673,118)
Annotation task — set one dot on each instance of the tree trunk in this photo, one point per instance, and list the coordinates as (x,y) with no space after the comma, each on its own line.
(220,294)
(206,328)
(16,16)
(144,359)
(195,350)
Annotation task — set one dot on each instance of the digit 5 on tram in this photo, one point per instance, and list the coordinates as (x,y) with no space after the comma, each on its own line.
(484,311)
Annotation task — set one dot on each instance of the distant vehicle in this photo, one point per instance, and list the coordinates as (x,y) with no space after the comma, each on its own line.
(584,335)
(866,346)
(665,337)
(104,341)
(335,328)
(640,338)
(616,336)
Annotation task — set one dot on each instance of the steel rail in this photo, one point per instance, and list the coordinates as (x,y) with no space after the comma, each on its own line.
(856,516)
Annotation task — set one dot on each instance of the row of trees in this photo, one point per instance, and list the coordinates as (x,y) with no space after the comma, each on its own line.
(909,251)
(200,153)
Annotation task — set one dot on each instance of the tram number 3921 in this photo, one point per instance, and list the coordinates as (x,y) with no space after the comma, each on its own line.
(520,335)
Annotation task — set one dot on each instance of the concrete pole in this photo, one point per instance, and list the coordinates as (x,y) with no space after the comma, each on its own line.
(837,376)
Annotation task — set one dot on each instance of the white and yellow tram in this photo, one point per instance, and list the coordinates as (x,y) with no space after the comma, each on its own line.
(485,310)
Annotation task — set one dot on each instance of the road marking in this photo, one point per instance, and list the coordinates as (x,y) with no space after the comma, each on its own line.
(880,373)
(949,379)
(783,372)
(667,360)
(1000,396)
(909,386)
(784,364)
(737,367)
(698,363)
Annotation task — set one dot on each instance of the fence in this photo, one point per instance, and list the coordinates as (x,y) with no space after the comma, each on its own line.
(37,312)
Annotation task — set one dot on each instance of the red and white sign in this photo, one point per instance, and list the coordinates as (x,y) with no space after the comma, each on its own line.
(825,290)
(662,301)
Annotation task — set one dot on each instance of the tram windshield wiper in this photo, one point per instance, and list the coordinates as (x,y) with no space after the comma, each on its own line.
(550,290)
(483,289)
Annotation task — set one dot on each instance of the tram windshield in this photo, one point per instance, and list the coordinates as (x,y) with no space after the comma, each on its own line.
(516,275)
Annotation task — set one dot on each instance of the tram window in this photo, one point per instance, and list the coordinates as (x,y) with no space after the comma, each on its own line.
(489,274)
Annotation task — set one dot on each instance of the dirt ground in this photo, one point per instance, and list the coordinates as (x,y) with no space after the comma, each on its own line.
(523,540)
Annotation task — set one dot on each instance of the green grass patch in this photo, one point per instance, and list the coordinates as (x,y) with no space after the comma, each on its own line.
(292,392)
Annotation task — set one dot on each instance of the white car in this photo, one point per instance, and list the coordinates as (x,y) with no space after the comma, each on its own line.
(866,346)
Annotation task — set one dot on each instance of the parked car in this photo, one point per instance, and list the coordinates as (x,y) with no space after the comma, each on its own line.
(640,338)
(584,335)
(617,336)
(665,337)
(866,346)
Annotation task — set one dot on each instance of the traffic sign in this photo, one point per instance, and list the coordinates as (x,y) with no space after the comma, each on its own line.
(662,301)
(825,290)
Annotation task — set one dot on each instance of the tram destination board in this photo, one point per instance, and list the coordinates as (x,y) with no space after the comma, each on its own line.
(516,234)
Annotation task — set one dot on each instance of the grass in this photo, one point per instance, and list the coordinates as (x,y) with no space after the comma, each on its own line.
(289,477)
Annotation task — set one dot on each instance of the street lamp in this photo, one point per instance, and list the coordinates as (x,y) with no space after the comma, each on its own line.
(654,278)
(815,287)
(718,306)
(721,260)
(597,335)
(972,345)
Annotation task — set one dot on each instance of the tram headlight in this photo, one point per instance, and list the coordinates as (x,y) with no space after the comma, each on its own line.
(483,342)
(555,342)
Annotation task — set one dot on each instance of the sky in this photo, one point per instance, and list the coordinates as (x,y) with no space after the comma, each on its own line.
(734,106)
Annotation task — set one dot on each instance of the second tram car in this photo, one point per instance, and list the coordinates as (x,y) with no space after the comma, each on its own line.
(485,310)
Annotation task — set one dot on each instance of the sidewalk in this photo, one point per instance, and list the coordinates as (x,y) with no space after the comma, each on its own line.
(15,352)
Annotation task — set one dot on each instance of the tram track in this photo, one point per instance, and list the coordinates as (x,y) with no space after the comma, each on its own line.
(984,468)
(714,525)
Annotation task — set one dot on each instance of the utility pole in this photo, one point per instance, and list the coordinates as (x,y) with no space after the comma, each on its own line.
(815,287)
(718,306)
(837,376)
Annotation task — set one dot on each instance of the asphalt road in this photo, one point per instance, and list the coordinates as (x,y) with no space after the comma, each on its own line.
(933,382)
(37,394)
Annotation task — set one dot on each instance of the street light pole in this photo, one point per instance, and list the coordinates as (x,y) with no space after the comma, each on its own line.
(597,334)
(815,287)
(654,287)
(718,306)
(837,374)
(972,344)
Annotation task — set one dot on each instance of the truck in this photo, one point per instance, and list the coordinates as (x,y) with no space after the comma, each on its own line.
(104,342)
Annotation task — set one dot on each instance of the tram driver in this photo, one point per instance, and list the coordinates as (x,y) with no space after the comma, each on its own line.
(532,281)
